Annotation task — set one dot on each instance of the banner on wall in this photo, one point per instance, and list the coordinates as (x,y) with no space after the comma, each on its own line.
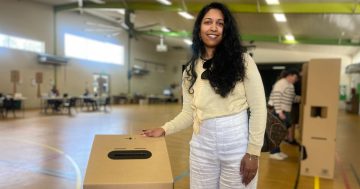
(38,80)
(39,77)
(342,92)
(15,76)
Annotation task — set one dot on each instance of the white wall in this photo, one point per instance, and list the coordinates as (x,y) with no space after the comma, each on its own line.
(286,56)
(158,65)
(77,74)
(36,21)
(356,57)
(27,20)
(355,78)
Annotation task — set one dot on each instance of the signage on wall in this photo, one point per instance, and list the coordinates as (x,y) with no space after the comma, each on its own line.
(38,80)
(342,92)
(15,76)
(39,77)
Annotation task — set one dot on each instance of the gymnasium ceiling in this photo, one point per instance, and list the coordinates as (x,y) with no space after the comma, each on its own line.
(328,26)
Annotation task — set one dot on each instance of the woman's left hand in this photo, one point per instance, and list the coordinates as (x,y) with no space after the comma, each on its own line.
(248,168)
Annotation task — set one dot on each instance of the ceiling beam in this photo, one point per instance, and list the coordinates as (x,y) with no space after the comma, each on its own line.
(295,8)
(265,38)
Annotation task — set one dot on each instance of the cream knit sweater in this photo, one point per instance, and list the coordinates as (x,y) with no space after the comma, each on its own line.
(204,104)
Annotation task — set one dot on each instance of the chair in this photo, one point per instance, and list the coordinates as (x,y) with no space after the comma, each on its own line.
(106,103)
(90,102)
(54,104)
(2,108)
(70,103)
(9,105)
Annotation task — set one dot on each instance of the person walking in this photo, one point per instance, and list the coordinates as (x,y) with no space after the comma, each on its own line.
(281,99)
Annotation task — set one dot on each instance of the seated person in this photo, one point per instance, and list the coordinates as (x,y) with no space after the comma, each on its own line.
(55,103)
(89,100)
(2,97)
(170,93)
(54,92)
(87,92)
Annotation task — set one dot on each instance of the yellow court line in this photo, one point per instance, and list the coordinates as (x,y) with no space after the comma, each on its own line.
(316,183)
(73,163)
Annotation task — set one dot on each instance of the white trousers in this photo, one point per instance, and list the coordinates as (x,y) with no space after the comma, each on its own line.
(216,153)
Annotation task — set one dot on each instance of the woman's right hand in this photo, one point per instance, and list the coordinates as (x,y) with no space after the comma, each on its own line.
(282,116)
(157,132)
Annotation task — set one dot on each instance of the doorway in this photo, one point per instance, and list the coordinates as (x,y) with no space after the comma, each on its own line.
(270,73)
(101,83)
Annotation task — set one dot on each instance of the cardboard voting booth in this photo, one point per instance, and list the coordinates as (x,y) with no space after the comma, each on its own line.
(318,118)
(128,162)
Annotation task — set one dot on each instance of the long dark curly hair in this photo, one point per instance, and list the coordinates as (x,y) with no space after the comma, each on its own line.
(228,61)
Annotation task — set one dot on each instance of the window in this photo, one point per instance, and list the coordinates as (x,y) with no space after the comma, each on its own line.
(21,44)
(2,40)
(89,49)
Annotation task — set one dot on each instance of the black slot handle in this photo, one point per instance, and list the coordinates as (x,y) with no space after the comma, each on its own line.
(129,154)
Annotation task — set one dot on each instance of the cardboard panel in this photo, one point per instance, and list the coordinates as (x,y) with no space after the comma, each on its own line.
(321,158)
(303,94)
(323,77)
(304,79)
(318,126)
(319,110)
(151,173)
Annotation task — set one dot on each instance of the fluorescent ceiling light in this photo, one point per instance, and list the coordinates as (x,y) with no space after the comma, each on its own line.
(272,2)
(165,29)
(280,17)
(278,67)
(186,15)
(289,37)
(121,11)
(188,41)
(113,34)
(165,2)
(98,1)
(124,25)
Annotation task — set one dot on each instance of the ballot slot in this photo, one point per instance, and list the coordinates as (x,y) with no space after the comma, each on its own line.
(129,154)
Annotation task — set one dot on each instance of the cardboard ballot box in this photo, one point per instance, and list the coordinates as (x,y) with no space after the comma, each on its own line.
(128,162)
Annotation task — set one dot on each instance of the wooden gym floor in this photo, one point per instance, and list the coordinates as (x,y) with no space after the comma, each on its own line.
(51,151)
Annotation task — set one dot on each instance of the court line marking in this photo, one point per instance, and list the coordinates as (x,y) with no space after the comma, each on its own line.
(35,169)
(343,173)
(355,174)
(73,163)
(316,182)
(298,172)
(53,173)
(181,176)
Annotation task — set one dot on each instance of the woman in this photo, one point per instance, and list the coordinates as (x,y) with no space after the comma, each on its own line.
(281,98)
(219,84)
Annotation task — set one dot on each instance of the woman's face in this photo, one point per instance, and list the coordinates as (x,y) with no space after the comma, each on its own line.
(293,78)
(211,29)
